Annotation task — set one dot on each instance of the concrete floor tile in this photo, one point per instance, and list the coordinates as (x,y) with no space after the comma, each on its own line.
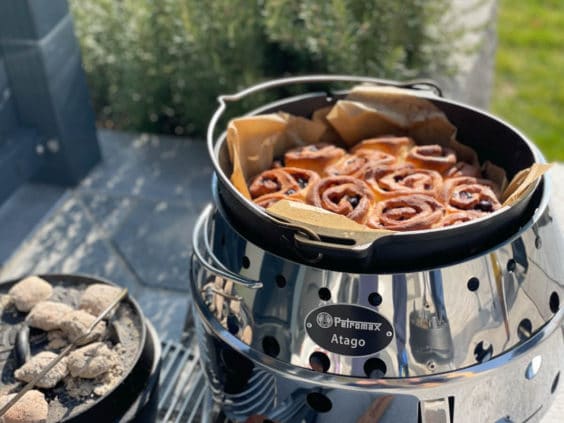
(155,239)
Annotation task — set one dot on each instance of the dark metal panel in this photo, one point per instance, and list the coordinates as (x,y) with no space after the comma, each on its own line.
(30,19)
(18,159)
(8,119)
(51,95)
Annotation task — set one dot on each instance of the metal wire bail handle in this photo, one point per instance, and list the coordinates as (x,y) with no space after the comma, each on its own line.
(414,84)
(222,271)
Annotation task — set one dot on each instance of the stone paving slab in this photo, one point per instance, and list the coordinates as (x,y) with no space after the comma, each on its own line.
(23,212)
(158,168)
(130,221)
(164,232)
(69,242)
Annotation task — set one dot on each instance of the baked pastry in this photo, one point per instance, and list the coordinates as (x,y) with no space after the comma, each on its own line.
(406,213)
(433,157)
(314,157)
(281,183)
(467,193)
(273,181)
(304,178)
(463,169)
(394,181)
(385,181)
(345,195)
(355,164)
(460,217)
(397,146)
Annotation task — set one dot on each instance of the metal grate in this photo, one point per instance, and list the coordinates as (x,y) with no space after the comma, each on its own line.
(182,386)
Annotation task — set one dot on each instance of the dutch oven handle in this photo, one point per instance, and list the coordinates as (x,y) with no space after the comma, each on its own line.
(216,267)
(414,84)
(311,246)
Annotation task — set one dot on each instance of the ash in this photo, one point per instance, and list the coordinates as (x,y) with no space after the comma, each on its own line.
(72,395)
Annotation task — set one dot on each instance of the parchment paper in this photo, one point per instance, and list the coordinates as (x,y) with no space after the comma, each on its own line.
(366,112)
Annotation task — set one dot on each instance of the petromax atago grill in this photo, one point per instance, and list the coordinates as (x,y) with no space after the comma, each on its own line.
(463,326)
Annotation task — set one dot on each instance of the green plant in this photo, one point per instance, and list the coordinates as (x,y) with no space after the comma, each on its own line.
(528,90)
(159,65)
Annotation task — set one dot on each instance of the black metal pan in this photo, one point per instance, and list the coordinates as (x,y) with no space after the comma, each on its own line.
(134,397)
(492,138)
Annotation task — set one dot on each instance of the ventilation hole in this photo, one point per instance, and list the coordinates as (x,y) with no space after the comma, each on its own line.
(246,262)
(511,265)
(538,242)
(525,329)
(280,281)
(473,284)
(483,352)
(238,370)
(554,302)
(267,421)
(222,240)
(319,402)
(270,346)
(431,365)
(375,299)
(324,294)
(319,362)
(232,324)
(374,368)
(533,367)
(451,408)
(555,383)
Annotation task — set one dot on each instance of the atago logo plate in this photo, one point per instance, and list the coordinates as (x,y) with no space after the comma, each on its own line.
(349,329)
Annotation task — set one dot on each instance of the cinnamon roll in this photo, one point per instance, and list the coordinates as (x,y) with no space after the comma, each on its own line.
(463,169)
(396,146)
(391,182)
(460,217)
(282,183)
(343,195)
(304,178)
(273,181)
(434,157)
(355,164)
(314,157)
(406,213)
(467,193)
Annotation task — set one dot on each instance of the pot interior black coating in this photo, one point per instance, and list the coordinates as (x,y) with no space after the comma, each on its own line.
(492,138)
(116,403)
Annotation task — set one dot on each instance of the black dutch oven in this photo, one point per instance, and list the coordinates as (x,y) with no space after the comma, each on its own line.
(135,397)
(492,138)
